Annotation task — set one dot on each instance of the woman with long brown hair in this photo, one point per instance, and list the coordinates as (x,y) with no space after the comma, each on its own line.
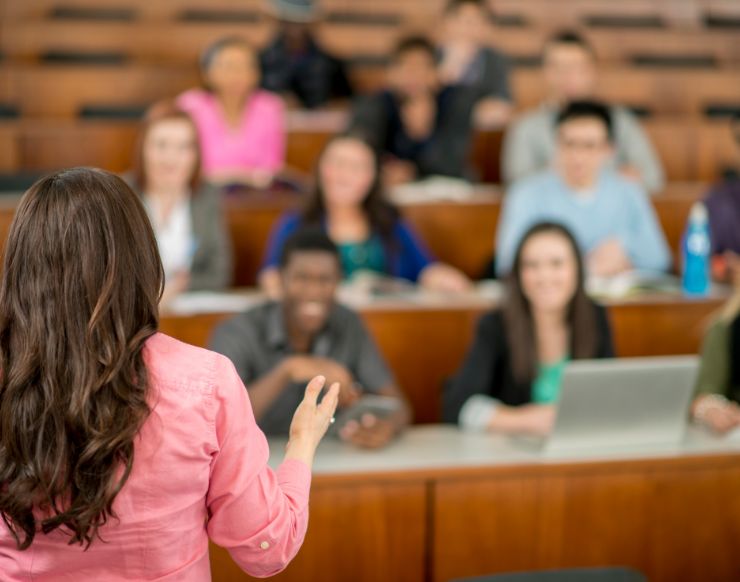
(510,379)
(349,204)
(122,450)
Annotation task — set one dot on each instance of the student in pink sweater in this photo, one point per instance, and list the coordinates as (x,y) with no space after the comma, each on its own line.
(241,127)
(122,450)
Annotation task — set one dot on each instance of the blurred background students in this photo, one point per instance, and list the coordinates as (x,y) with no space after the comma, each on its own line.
(718,386)
(295,64)
(511,377)
(241,127)
(276,346)
(348,203)
(422,127)
(467,59)
(610,216)
(185,212)
(570,73)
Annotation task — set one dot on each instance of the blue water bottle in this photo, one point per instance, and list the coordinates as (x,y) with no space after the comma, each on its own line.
(696,253)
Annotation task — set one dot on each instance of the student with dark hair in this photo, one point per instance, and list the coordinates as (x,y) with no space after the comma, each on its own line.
(348,203)
(717,404)
(421,127)
(723,208)
(467,59)
(124,450)
(610,216)
(511,377)
(276,346)
(185,211)
(295,64)
(569,68)
(241,127)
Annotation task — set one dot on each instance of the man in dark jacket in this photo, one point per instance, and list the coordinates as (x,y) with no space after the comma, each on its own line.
(295,63)
(422,127)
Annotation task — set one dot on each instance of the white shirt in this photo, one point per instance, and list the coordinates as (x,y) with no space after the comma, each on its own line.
(174,236)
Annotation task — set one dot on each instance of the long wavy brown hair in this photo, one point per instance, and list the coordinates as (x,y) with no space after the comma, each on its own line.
(81,283)
(580,313)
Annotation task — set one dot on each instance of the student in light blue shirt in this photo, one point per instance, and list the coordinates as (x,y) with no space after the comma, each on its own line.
(611,217)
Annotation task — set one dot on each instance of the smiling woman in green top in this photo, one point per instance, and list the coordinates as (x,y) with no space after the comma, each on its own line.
(718,387)
(510,381)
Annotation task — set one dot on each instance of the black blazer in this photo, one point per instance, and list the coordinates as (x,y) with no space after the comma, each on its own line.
(487,367)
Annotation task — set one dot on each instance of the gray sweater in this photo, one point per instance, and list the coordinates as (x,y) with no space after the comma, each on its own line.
(212,267)
(529,146)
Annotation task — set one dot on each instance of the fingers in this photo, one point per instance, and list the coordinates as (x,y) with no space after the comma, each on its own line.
(329,402)
(313,389)
(368,433)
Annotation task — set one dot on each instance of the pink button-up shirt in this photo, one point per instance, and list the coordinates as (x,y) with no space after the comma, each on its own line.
(257,143)
(200,470)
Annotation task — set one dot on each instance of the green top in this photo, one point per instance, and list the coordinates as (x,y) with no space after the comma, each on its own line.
(368,255)
(546,387)
(714,372)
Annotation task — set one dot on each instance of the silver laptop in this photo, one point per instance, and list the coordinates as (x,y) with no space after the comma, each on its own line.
(629,402)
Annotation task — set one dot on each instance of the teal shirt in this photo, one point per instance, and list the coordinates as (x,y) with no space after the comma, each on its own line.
(367,255)
(546,387)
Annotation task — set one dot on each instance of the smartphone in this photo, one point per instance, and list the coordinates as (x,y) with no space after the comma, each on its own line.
(379,406)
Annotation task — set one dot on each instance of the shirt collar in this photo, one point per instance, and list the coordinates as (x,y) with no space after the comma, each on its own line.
(277,333)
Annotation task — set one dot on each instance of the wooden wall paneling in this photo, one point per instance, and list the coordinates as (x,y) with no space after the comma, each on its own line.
(9,155)
(484,526)
(359,532)
(695,524)
(460,234)
(250,227)
(60,91)
(671,521)
(660,328)
(423,350)
(716,150)
(49,147)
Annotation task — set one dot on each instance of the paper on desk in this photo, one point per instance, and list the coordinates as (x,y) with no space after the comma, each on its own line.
(733,435)
(210,302)
(434,188)
(632,282)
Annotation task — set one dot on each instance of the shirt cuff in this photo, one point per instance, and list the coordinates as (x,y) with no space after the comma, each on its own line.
(294,478)
(476,413)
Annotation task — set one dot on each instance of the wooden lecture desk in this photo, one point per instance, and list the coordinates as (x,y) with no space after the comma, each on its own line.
(439,504)
(424,336)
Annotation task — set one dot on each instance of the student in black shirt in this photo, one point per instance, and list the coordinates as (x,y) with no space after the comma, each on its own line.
(510,380)
(295,64)
(422,127)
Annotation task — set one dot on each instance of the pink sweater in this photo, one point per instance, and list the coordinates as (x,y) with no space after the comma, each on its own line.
(200,470)
(258,143)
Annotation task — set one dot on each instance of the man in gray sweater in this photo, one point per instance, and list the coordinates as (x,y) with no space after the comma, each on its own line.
(569,68)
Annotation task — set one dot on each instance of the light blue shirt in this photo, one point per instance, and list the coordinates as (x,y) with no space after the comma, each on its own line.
(617,208)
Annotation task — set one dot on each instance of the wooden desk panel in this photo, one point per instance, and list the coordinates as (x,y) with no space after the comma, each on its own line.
(250,221)
(690,149)
(671,523)
(359,532)
(440,504)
